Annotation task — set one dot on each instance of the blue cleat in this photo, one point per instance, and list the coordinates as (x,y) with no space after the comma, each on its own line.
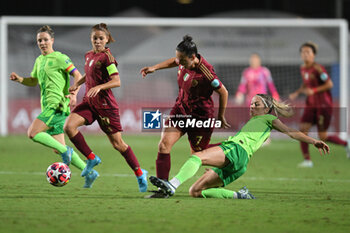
(90,178)
(244,193)
(67,156)
(142,180)
(90,164)
(165,186)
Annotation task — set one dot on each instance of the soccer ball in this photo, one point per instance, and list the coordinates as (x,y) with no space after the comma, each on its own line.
(58,174)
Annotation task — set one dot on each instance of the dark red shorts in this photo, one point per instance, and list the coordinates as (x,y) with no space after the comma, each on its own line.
(318,116)
(199,138)
(108,119)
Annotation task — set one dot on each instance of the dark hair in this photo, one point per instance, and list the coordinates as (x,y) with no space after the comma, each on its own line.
(103,27)
(187,46)
(311,45)
(280,108)
(46,29)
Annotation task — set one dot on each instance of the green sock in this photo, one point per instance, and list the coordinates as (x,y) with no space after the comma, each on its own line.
(218,193)
(189,169)
(77,161)
(47,140)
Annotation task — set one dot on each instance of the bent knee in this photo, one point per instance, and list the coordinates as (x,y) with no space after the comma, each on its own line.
(164,146)
(194,192)
(31,134)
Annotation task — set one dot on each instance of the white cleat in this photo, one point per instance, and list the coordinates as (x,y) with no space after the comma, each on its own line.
(306,164)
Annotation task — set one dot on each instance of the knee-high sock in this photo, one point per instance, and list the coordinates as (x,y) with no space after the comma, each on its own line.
(77,161)
(189,168)
(218,193)
(47,140)
(305,150)
(163,165)
(80,143)
(336,140)
(132,161)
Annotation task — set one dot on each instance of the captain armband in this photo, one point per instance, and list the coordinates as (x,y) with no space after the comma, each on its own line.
(324,76)
(112,69)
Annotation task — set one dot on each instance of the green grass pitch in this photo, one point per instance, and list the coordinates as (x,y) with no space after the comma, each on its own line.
(289,199)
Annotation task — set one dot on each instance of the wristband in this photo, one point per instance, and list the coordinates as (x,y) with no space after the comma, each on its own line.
(314,89)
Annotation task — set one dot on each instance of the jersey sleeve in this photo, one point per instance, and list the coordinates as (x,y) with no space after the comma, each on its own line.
(65,63)
(111,64)
(34,72)
(209,73)
(322,72)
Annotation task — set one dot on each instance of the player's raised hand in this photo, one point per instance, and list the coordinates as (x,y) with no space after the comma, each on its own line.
(293,96)
(322,147)
(15,77)
(146,70)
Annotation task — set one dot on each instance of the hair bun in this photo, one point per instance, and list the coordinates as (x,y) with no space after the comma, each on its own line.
(187,38)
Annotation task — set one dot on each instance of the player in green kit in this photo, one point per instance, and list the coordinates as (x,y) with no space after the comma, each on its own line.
(51,70)
(231,158)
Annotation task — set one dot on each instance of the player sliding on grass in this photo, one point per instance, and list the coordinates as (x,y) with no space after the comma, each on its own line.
(101,74)
(196,81)
(230,159)
(316,86)
(51,70)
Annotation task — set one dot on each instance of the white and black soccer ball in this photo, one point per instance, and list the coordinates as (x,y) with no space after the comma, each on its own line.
(58,174)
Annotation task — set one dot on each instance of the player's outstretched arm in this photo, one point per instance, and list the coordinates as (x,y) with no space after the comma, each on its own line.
(322,147)
(223,97)
(295,94)
(25,81)
(171,62)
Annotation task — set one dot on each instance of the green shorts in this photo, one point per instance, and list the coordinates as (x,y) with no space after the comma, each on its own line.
(238,162)
(54,119)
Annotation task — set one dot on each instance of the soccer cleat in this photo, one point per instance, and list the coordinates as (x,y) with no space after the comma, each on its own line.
(244,193)
(90,164)
(67,156)
(142,180)
(90,178)
(158,194)
(348,149)
(163,185)
(306,164)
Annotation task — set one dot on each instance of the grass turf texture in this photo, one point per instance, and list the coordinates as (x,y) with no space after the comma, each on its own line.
(289,199)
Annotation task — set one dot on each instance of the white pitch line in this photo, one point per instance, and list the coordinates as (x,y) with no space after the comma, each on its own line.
(243,178)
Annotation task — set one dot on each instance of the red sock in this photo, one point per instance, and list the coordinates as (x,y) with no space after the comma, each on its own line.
(163,165)
(80,143)
(305,149)
(336,140)
(91,156)
(138,172)
(131,159)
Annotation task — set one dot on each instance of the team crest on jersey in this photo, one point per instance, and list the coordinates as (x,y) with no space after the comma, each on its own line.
(194,83)
(186,76)
(92,61)
(98,64)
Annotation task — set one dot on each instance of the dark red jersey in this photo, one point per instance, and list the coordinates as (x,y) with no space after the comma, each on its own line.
(195,89)
(96,73)
(314,76)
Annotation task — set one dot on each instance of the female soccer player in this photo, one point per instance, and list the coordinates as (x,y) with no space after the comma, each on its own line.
(230,159)
(51,70)
(316,86)
(101,74)
(255,79)
(197,81)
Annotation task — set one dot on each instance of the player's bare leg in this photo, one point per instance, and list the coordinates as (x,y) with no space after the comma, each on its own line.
(307,163)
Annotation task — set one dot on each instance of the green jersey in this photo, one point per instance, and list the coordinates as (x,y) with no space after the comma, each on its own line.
(52,72)
(254,133)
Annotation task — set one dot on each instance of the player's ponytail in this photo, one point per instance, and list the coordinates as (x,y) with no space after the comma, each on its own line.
(103,27)
(187,46)
(280,108)
(47,29)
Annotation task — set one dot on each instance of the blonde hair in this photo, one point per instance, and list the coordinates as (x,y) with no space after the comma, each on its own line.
(103,27)
(280,108)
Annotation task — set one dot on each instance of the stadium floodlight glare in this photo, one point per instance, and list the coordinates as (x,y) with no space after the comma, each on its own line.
(7,21)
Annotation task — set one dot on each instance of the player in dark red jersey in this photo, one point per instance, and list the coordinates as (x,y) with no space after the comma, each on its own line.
(318,111)
(101,74)
(197,81)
